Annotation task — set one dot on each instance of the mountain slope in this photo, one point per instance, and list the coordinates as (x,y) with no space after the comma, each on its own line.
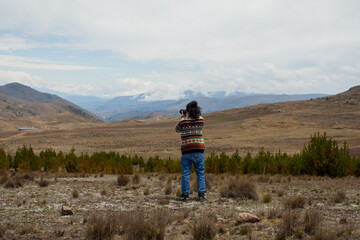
(17,100)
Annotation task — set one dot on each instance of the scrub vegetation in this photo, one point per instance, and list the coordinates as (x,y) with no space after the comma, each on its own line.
(321,156)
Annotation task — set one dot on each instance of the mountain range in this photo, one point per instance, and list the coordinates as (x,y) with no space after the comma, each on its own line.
(17,100)
(133,107)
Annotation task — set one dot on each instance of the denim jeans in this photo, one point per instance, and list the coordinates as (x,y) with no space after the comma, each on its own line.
(198,159)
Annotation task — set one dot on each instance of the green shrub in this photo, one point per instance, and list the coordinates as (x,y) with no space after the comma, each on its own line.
(4,161)
(26,160)
(323,156)
(154,164)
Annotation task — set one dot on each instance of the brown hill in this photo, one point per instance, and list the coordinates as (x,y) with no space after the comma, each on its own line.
(17,100)
(284,126)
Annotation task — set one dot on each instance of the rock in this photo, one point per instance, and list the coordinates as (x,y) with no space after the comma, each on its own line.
(247,217)
(65,210)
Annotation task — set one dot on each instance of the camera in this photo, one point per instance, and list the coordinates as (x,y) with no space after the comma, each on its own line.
(182,111)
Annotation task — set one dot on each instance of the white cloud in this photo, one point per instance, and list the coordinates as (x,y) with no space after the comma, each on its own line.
(256,46)
(154,90)
(38,63)
(9,42)
(202,30)
(20,77)
(265,78)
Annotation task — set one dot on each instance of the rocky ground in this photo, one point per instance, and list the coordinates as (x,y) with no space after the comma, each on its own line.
(303,207)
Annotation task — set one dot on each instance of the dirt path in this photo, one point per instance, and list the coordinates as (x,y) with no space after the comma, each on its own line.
(13,136)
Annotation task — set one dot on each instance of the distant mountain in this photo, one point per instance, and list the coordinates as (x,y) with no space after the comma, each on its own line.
(155,116)
(122,108)
(86,102)
(17,100)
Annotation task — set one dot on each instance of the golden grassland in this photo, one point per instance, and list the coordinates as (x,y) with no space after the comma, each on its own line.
(282,126)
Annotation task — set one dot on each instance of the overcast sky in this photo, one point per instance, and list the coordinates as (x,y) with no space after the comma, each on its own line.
(110,48)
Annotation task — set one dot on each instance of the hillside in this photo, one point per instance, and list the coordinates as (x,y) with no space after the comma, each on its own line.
(22,106)
(17,100)
(284,126)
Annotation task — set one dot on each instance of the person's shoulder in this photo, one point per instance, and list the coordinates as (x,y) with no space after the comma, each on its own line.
(200,118)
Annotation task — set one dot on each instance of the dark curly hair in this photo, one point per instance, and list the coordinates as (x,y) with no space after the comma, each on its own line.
(193,109)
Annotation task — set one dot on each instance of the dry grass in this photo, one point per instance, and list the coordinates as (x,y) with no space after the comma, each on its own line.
(168,189)
(204,228)
(245,230)
(164,201)
(324,233)
(103,226)
(122,180)
(240,189)
(146,191)
(75,194)
(339,197)
(59,232)
(4,178)
(274,212)
(27,229)
(103,192)
(280,193)
(345,231)
(137,226)
(136,178)
(43,182)
(263,178)
(126,201)
(29,176)
(288,225)
(312,221)
(267,198)
(295,202)
(2,232)
(14,182)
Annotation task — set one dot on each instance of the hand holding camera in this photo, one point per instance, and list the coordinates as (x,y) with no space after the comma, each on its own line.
(183,112)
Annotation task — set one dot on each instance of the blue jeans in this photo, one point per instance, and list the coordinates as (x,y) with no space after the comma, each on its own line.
(198,158)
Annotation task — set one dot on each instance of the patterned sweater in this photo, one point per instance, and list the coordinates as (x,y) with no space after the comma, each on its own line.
(191,134)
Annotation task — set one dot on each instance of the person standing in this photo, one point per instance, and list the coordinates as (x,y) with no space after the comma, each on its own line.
(192,148)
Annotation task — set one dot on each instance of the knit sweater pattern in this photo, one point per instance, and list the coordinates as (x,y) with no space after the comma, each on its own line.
(191,134)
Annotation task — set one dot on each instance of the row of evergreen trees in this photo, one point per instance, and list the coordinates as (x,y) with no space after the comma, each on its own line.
(322,156)
(26,160)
